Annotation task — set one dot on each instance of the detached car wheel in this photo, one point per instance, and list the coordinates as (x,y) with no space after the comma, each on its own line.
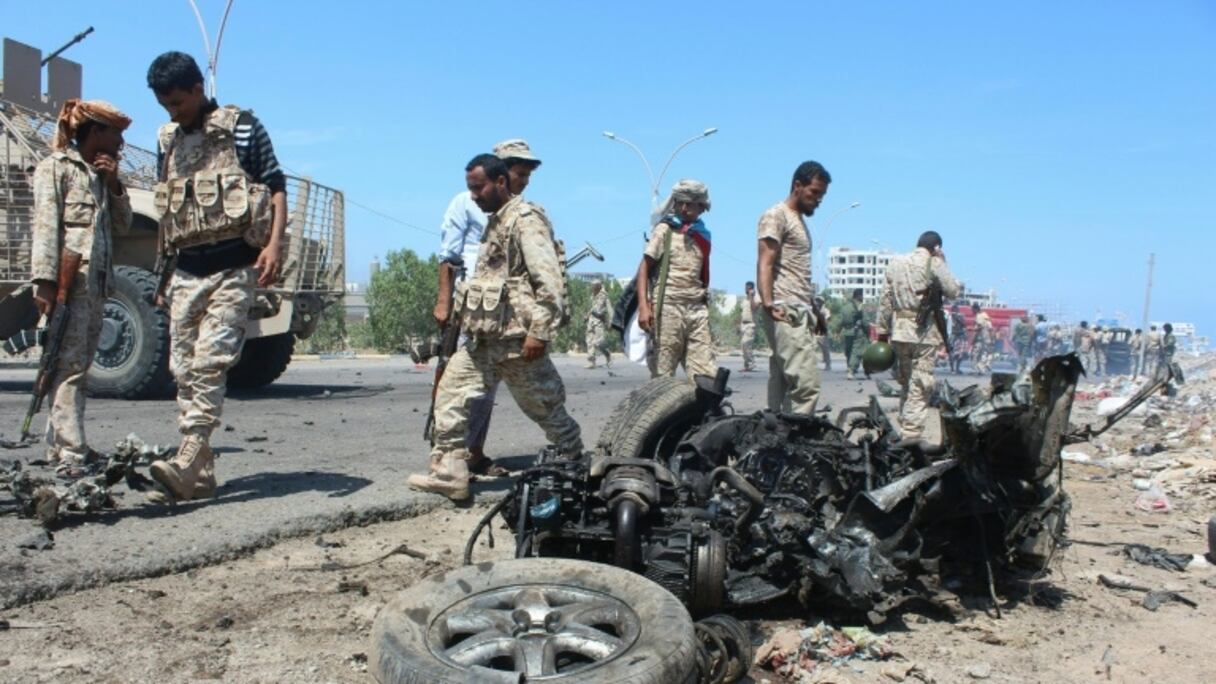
(132,359)
(551,620)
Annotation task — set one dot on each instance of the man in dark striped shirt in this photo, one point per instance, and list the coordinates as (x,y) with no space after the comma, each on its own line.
(223,201)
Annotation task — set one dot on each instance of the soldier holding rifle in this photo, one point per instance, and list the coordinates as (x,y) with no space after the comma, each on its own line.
(78,202)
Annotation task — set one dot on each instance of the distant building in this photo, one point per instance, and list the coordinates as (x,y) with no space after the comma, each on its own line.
(594,277)
(849,269)
(355,301)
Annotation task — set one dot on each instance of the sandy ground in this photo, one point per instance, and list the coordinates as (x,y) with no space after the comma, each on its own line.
(285,613)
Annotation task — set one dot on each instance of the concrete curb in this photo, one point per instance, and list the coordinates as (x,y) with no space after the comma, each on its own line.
(12,595)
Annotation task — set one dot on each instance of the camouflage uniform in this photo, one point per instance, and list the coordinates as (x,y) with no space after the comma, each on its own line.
(853,330)
(1083,343)
(597,320)
(793,381)
(1153,352)
(747,332)
(516,292)
(915,346)
(958,341)
(208,314)
(983,347)
(205,197)
(684,326)
(1102,340)
(1136,345)
(68,194)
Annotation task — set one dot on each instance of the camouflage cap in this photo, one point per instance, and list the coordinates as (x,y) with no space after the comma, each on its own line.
(516,148)
(689,190)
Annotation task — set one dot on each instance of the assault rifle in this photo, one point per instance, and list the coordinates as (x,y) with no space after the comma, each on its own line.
(69,263)
(931,303)
(449,339)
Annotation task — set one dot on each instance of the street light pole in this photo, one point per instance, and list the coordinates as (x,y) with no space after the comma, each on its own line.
(656,182)
(822,241)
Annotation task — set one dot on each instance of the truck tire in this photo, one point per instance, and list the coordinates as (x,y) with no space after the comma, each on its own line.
(553,620)
(637,424)
(132,359)
(262,361)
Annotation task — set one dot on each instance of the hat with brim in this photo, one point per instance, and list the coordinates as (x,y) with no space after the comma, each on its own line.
(515,150)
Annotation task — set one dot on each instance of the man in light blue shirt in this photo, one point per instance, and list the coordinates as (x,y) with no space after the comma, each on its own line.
(460,241)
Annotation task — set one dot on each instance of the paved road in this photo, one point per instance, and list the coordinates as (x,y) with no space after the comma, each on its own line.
(327,446)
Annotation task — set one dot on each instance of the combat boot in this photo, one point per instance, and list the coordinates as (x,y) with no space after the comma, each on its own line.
(449,476)
(193,466)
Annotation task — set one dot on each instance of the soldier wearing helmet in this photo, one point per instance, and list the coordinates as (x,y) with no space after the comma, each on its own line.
(915,345)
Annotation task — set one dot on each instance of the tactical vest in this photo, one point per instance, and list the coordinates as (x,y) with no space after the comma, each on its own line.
(494,302)
(204,195)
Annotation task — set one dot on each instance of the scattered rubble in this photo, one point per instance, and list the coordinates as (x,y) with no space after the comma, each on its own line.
(795,653)
(80,487)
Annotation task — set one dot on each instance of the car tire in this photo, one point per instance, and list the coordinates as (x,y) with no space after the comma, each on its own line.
(262,361)
(481,622)
(646,415)
(132,358)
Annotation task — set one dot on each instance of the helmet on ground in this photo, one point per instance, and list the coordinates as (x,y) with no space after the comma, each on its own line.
(877,358)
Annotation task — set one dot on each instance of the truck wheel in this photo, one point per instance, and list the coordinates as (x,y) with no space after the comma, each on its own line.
(132,359)
(262,361)
(551,620)
(647,415)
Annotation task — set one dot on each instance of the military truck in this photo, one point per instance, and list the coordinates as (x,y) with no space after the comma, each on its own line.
(133,354)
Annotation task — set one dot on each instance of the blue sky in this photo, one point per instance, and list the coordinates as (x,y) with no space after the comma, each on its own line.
(1054,145)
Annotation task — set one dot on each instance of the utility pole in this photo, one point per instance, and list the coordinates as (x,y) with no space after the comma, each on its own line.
(1148,291)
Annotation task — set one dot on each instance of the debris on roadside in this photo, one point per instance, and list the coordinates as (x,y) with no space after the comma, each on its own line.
(84,487)
(794,653)
(1157,557)
(42,540)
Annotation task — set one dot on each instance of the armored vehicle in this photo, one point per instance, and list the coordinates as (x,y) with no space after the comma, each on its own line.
(132,356)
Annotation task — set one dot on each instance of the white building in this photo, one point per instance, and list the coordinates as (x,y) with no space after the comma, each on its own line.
(849,269)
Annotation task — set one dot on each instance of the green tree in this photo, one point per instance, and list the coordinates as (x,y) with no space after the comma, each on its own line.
(330,335)
(724,325)
(400,300)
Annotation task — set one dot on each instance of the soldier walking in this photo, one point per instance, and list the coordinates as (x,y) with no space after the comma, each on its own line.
(783,275)
(223,204)
(1136,345)
(510,310)
(958,338)
(597,324)
(853,327)
(78,203)
(678,249)
(1083,344)
(1152,357)
(460,241)
(908,276)
(1100,339)
(1169,345)
(747,327)
(982,347)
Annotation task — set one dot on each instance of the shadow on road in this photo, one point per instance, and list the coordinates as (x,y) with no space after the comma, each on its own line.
(310,392)
(234,491)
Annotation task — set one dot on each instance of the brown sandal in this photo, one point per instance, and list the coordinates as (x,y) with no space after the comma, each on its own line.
(485,467)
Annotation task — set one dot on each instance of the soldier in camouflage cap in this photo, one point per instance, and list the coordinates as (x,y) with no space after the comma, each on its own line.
(679,324)
(510,311)
(78,203)
(460,243)
(598,319)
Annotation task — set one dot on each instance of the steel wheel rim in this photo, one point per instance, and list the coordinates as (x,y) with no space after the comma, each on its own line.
(117,343)
(540,630)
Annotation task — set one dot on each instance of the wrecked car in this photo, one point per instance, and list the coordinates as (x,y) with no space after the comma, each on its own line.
(728,511)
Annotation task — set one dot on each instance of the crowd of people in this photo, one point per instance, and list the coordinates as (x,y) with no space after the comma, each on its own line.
(221,199)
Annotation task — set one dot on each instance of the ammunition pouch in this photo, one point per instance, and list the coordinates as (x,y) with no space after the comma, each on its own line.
(484,308)
(211,206)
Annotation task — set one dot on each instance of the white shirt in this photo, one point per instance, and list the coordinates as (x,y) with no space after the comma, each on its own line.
(463,225)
